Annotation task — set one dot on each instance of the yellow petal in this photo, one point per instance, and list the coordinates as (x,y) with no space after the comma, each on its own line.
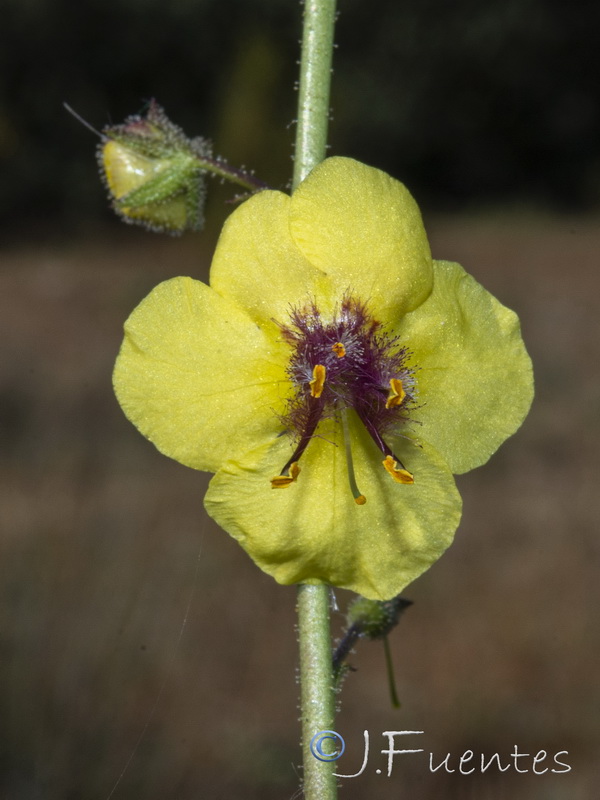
(197,376)
(256,263)
(314,531)
(125,169)
(364,230)
(475,379)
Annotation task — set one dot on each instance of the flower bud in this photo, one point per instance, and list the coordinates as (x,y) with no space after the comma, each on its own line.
(154,173)
(375,619)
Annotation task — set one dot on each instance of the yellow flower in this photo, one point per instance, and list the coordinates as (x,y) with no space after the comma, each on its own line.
(333,377)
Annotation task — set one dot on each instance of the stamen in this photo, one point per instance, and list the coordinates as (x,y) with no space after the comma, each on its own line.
(284,480)
(400,475)
(340,363)
(391,461)
(397,393)
(359,497)
(290,471)
(318,381)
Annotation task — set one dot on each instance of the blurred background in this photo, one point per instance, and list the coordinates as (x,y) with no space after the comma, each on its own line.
(124,610)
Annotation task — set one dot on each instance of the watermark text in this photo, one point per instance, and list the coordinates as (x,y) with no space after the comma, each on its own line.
(330,746)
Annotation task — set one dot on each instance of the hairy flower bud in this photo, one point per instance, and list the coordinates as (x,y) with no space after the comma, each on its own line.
(154,174)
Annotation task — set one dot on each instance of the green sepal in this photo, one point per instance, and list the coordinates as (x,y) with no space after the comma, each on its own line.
(155,174)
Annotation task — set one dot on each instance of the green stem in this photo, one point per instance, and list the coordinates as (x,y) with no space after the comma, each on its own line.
(316,678)
(220,168)
(317,698)
(315,79)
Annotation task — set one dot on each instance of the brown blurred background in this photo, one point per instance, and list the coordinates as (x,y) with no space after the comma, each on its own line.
(490,115)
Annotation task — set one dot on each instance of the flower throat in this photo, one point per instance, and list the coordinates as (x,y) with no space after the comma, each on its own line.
(348,362)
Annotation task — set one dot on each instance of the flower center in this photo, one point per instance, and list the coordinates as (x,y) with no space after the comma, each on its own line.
(347,362)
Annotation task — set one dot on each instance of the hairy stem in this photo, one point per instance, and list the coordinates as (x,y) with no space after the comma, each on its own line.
(316,678)
(315,79)
(220,168)
(317,699)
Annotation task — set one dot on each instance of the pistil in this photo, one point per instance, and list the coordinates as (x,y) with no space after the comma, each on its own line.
(359,497)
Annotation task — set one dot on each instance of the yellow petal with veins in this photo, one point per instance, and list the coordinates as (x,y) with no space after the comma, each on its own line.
(197,376)
(475,377)
(363,229)
(258,266)
(315,531)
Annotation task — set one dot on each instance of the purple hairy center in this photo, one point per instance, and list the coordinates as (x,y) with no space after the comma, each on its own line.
(361,360)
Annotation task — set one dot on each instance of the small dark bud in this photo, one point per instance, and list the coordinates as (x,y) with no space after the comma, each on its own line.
(374,619)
